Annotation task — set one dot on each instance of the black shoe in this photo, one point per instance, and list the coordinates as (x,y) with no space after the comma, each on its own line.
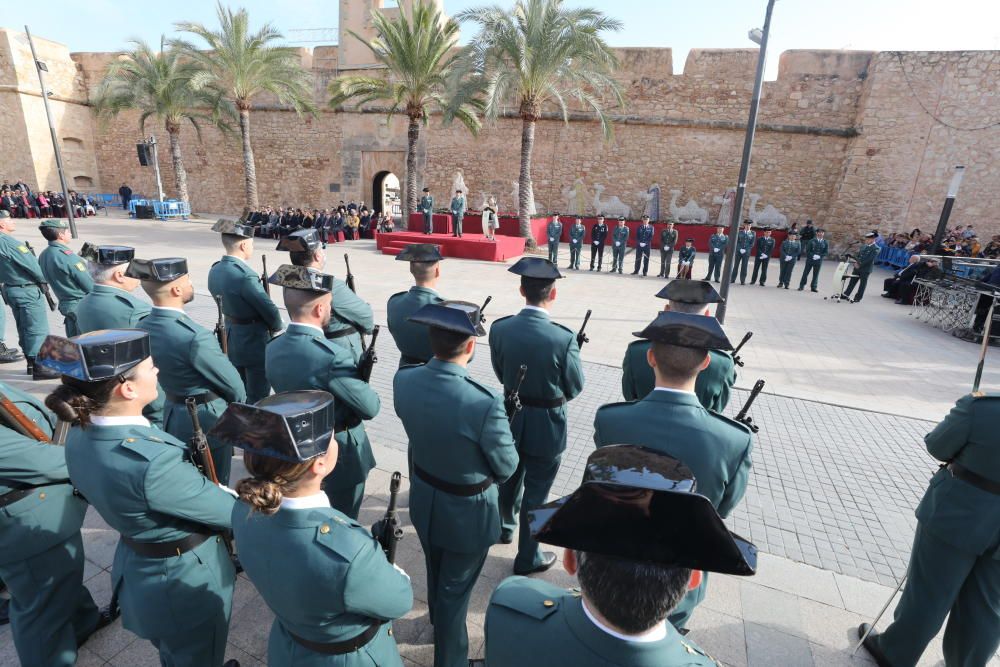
(814,290)
(506,538)
(231,663)
(39,372)
(9,355)
(801,288)
(634,273)
(4,611)
(871,645)
(619,271)
(548,560)
(855,300)
(591,267)
(477,662)
(105,617)
(786,286)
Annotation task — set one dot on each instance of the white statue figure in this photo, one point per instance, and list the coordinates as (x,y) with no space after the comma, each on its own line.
(769,217)
(575,198)
(458,183)
(650,202)
(610,207)
(515,196)
(726,202)
(690,212)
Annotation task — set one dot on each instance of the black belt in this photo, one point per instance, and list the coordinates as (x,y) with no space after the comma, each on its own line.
(330,335)
(21,285)
(339,648)
(546,403)
(200,399)
(454,489)
(12,497)
(975,479)
(240,320)
(166,549)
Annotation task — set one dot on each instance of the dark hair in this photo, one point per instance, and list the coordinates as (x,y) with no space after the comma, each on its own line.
(634,596)
(301,257)
(422,271)
(231,241)
(50,233)
(676,362)
(272,478)
(74,401)
(537,290)
(447,344)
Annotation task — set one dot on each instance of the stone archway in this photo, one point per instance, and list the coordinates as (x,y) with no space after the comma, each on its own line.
(375,165)
(386,192)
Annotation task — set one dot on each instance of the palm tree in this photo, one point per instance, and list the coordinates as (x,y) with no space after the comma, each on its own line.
(419,60)
(538,55)
(160,84)
(245,64)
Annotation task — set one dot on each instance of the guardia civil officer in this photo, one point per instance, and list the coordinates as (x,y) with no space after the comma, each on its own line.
(413,339)
(554,231)
(716,253)
(426,207)
(864,263)
(323,575)
(554,376)
(110,305)
(744,244)
(643,241)
(668,240)
(457,213)
(791,248)
(251,316)
(41,550)
(576,233)
(188,355)
(303,358)
(8,355)
(65,271)
(685,259)
(637,535)
(815,249)
(715,382)
(598,234)
(762,256)
(22,285)
(954,570)
(671,420)
(352,316)
(458,458)
(171,575)
(619,244)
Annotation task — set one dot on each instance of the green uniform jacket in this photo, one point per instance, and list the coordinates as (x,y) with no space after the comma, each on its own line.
(427,204)
(576,234)
(108,307)
(17,265)
(244,298)
(301,358)
(67,273)
(554,230)
(744,241)
(458,208)
(413,340)
(866,258)
(790,249)
(350,312)
(817,247)
(143,484)
(712,386)
(687,254)
(340,582)
(719,241)
(765,246)
(553,358)
(954,510)
(458,432)
(668,238)
(529,621)
(49,517)
(619,237)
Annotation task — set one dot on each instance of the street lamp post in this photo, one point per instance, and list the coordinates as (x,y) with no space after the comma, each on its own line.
(760,37)
(949,202)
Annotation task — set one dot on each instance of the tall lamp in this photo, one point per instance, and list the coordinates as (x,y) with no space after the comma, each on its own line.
(949,202)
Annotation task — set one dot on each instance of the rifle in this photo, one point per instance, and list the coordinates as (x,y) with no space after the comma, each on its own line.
(368,357)
(203,457)
(482,318)
(12,415)
(512,401)
(741,416)
(220,326)
(736,352)
(350,276)
(263,276)
(581,337)
(387,530)
(44,287)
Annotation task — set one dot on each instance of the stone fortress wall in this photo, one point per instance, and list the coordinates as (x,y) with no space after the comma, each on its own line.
(851,139)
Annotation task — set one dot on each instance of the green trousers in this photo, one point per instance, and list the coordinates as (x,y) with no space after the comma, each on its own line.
(255,380)
(30,315)
(347,499)
(177,423)
(451,576)
(525,491)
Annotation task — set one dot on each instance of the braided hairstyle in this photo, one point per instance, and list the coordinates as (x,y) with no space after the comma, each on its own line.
(271,479)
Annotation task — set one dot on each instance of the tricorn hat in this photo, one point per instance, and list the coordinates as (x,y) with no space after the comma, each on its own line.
(690,291)
(459,316)
(53,223)
(233,227)
(686,330)
(301,277)
(107,255)
(94,356)
(420,252)
(292,426)
(535,267)
(160,270)
(302,240)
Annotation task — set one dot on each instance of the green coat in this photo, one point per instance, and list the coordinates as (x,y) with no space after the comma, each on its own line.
(143,484)
(301,358)
(576,234)
(866,258)
(340,582)
(790,249)
(744,242)
(712,386)
(554,230)
(243,297)
(457,208)
(350,313)
(17,264)
(67,274)
(817,247)
(530,620)
(191,363)
(413,340)
(553,358)
(458,432)
(717,243)
(21,279)
(108,307)
(619,238)
(427,205)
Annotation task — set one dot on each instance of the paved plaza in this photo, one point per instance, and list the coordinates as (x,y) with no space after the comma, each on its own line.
(839,463)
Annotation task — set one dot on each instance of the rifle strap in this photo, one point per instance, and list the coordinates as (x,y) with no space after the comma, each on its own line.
(200,399)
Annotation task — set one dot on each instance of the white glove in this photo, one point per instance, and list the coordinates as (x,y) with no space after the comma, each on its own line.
(642,245)
(597,243)
(617,244)
(763,256)
(551,240)
(716,249)
(743,251)
(788,258)
(815,257)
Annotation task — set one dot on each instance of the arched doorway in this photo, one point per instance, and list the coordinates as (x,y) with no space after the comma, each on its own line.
(386,193)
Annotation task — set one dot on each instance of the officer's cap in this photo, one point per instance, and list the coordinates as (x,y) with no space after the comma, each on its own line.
(302,240)
(303,278)
(458,316)
(621,218)
(53,224)
(427,189)
(4,214)
(107,255)
(535,267)
(294,426)
(747,221)
(420,252)
(638,504)
(95,356)
(686,330)
(233,227)
(793,232)
(690,291)
(161,270)
(688,240)
(820,230)
(870,235)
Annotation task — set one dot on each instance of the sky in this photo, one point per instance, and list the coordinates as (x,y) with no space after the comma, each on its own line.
(878,25)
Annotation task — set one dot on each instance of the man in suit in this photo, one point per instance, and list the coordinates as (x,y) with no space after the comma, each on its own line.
(598,234)
(864,264)
(23,286)
(668,239)
(816,249)
(762,256)
(744,244)
(643,241)
(411,339)
(716,253)
(554,376)
(125,192)
(457,212)
(426,207)
(671,420)
(65,271)
(458,458)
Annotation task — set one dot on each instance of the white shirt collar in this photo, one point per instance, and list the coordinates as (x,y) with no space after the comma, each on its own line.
(656,633)
(429,289)
(176,310)
(310,326)
(98,420)
(676,391)
(316,501)
(539,309)
(239,259)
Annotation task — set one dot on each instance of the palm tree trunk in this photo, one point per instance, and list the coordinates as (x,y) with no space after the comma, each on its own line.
(180,175)
(524,191)
(249,170)
(410,201)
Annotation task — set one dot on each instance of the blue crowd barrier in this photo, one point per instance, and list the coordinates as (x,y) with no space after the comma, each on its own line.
(170,209)
(894,257)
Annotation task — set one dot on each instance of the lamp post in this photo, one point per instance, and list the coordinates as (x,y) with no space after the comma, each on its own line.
(156,168)
(760,37)
(949,202)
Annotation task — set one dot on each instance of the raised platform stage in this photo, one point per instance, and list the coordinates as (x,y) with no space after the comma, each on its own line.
(470,246)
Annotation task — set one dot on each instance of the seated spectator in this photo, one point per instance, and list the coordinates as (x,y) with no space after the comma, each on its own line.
(366,222)
(992,249)
(900,287)
(353,223)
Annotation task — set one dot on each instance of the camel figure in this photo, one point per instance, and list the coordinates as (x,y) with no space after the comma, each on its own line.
(769,217)
(575,198)
(690,212)
(725,202)
(650,201)
(610,207)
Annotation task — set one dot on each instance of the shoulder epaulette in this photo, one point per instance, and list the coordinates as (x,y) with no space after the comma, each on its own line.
(482,387)
(619,404)
(637,342)
(564,327)
(398,294)
(407,367)
(336,532)
(732,422)
(67,252)
(216,263)
(124,298)
(528,598)
(501,319)
(186,322)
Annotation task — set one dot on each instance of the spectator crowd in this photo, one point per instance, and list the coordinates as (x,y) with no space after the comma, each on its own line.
(345,222)
(959,241)
(22,202)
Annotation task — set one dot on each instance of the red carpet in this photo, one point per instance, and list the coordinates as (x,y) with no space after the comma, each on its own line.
(472,223)
(470,246)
